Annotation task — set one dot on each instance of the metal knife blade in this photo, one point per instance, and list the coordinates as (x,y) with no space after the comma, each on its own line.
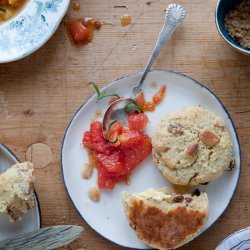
(43,239)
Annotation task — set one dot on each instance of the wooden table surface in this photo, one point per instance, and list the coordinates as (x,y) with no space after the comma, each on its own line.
(40,93)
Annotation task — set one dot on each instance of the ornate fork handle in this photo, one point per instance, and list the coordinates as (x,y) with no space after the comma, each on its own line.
(175,14)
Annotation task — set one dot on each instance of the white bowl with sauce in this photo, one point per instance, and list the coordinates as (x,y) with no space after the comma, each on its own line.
(30,28)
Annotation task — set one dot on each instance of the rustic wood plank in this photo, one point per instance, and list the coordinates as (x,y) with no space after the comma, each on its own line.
(51,84)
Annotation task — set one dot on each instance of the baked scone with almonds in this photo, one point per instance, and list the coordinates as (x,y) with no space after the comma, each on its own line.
(163,219)
(192,146)
(16,190)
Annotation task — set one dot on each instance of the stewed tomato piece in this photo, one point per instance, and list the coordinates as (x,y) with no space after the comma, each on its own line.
(116,161)
(78,31)
(137,121)
(158,97)
(143,104)
(150,105)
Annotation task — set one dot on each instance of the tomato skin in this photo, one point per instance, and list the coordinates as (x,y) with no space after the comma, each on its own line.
(78,31)
(158,97)
(94,139)
(116,128)
(149,106)
(137,121)
(112,163)
(140,100)
(143,104)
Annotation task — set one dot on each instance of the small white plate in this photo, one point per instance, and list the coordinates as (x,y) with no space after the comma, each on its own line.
(239,240)
(31,220)
(107,216)
(31,28)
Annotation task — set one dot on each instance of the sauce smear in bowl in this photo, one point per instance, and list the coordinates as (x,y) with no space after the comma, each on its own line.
(9,8)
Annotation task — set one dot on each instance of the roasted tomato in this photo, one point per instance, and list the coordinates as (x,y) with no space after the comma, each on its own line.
(78,31)
(115,162)
(137,121)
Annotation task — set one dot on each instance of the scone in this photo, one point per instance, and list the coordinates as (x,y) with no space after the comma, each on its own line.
(192,146)
(16,190)
(163,219)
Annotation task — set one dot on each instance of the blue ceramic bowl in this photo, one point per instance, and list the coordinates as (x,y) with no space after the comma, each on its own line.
(222,8)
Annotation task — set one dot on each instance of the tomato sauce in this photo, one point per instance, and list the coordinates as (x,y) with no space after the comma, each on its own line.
(125,20)
(150,105)
(116,161)
(80,31)
(8,9)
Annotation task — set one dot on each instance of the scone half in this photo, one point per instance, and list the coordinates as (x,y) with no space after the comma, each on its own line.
(16,190)
(163,219)
(192,146)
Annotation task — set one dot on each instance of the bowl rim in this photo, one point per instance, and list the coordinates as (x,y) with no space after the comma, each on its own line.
(237,47)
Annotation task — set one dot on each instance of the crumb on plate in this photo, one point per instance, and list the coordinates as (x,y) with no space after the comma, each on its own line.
(86,170)
(94,193)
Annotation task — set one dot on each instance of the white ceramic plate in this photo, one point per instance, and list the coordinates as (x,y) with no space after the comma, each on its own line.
(107,216)
(31,220)
(239,240)
(31,28)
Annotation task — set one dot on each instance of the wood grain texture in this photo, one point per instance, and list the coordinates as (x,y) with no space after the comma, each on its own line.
(39,95)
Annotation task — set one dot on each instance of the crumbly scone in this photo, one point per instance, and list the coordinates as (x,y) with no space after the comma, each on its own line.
(192,146)
(16,190)
(163,219)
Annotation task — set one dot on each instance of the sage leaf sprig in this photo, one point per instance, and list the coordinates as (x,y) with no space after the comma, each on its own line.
(132,107)
(103,94)
(109,140)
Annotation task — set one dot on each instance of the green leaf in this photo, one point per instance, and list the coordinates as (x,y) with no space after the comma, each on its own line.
(110,125)
(95,87)
(132,107)
(102,95)
(2,9)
